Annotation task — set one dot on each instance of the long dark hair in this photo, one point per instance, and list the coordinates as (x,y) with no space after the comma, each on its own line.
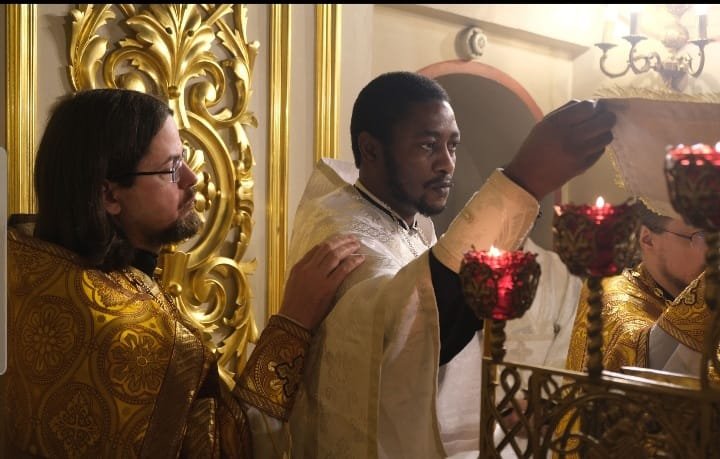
(90,136)
(385,101)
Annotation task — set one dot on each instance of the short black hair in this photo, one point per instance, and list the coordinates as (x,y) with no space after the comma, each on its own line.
(385,101)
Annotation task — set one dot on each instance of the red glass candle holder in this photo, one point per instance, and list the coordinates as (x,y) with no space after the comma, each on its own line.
(598,240)
(499,286)
(693,180)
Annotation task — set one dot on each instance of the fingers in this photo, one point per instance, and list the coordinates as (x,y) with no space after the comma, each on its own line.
(314,280)
(348,265)
(573,112)
(331,253)
(343,243)
(564,106)
(600,123)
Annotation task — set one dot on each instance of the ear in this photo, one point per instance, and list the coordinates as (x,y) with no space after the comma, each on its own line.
(109,197)
(370,147)
(647,238)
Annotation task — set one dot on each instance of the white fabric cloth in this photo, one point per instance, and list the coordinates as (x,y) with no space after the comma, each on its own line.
(370,383)
(644,129)
(668,354)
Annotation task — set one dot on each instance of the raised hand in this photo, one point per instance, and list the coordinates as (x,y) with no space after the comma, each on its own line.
(314,279)
(562,145)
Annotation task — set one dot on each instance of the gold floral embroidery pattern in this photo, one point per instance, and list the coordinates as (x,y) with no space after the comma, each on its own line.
(109,295)
(49,336)
(289,374)
(76,422)
(272,375)
(35,266)
(630,308)
(75,426)
(686,319)
(88,358)
(137,359)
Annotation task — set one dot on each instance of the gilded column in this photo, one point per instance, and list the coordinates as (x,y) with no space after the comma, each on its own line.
(20,91)
(278,159)
(327,79)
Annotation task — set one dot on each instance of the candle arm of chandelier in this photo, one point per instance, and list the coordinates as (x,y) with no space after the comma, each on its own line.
(695,72)
(648,61)
(671,70)
(605,47)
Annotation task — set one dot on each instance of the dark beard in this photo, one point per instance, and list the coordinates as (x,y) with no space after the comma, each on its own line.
(399,193)
(184,228)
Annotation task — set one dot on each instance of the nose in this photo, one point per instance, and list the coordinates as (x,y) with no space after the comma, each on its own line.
(445,161)
(187,176)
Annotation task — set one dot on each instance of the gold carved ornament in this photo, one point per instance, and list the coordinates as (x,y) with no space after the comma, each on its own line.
(197,58)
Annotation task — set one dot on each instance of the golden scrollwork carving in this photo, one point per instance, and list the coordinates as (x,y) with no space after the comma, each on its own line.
(196,57)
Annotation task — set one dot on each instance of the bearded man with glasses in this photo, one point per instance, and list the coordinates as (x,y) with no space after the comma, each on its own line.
(653,314)
(100,362)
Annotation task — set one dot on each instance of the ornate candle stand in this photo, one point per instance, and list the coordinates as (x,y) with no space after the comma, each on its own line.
(595,242)
(693,178)
(605,414)
(498,286)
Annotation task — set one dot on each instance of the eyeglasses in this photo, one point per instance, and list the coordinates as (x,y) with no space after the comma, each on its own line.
(697,239)
(174,170)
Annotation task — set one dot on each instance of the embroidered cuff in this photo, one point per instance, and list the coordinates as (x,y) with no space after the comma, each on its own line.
(501,213)
(272,375)
(686,318)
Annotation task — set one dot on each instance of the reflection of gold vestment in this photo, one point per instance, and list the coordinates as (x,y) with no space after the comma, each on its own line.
(102,365)
(632,303)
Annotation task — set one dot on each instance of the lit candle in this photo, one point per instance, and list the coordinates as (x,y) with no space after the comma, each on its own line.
(600,210)
(497,284)
(496,258)
(697,154)
(702,20)
(596,240)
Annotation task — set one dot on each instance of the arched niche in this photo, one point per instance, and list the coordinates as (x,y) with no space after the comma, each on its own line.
(495,114)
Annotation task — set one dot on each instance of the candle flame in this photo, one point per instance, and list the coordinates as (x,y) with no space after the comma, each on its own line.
(494,252)
(600,202)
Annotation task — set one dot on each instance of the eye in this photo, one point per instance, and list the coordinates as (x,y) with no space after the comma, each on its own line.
(452,146)
(428,146)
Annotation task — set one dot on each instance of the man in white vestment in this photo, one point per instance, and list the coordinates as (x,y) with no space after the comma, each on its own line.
(370,388)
